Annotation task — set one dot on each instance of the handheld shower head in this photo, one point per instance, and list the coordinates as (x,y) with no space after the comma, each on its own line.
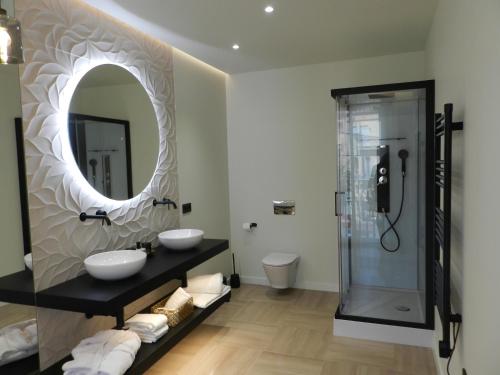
(403,154)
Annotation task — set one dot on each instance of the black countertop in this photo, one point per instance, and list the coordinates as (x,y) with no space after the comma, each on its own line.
(18,288)
(88,295)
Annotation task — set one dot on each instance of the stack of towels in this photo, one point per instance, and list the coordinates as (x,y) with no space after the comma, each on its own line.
(206,289)
(18,341)
(109,352)
(149,327)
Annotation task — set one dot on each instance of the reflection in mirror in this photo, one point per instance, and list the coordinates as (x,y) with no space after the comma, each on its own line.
(113,132)
(18,331)
(101,148)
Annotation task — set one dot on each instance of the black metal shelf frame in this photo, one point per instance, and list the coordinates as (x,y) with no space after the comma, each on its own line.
(443,128)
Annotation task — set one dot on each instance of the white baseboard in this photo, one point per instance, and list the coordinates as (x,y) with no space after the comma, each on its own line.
(384,333)
(309,285)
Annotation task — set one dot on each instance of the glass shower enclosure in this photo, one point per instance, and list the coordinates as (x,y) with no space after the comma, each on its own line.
(382,176)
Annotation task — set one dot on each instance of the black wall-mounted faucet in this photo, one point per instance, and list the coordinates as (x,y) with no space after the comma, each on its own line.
(166,201)
(99,215)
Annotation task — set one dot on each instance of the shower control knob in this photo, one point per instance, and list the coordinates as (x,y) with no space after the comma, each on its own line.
(382,171)
(382,180)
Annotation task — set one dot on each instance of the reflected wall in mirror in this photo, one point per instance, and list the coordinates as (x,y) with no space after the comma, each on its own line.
(17,299)
(113,132)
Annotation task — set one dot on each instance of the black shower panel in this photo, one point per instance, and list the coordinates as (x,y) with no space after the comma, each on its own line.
(383,180)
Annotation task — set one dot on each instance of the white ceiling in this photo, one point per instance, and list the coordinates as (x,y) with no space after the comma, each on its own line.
(299,32)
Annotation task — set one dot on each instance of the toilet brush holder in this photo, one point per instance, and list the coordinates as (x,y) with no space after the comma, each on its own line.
(234,279)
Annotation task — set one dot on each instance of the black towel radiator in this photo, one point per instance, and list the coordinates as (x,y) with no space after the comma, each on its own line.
(444,126)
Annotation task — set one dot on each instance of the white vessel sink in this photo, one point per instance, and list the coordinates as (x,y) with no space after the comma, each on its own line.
(115,265)
(181,239)
(28,261)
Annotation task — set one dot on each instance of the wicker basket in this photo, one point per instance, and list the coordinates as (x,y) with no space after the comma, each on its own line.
(174,316)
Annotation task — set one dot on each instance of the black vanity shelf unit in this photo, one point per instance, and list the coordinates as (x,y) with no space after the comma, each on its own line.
(92,297)
(18,288)
(443,129)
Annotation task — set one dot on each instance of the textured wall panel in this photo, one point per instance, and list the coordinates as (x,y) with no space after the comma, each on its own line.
(64,39)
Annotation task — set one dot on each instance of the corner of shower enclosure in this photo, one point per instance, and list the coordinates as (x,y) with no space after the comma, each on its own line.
(385,252)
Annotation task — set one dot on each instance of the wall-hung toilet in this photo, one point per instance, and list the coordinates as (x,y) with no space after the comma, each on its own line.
(281,269)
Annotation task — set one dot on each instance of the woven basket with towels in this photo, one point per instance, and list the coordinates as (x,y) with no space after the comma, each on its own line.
(175,307)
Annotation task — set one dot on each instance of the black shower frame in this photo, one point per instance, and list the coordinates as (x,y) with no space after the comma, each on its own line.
(429,86)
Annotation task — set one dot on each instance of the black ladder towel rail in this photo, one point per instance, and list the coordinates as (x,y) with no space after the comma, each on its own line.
(444,126)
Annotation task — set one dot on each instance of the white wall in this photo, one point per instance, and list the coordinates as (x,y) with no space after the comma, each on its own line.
(282,145)
(10,225)
(200,97)
(463,55)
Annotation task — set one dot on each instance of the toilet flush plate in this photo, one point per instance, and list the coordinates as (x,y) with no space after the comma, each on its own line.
(284,207)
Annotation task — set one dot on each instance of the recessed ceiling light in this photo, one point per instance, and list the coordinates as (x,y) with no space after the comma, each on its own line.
(236,46)
(269,9)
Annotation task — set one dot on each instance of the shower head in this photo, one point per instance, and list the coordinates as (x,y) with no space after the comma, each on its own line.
(403,154)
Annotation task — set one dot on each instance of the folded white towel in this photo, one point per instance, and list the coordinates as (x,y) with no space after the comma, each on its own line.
(211,284)
(203,300)
(18,341)
(177,299)
(151,337)
(146,322)
(109,352)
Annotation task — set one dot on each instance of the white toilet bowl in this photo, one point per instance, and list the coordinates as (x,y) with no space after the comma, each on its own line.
(281,269)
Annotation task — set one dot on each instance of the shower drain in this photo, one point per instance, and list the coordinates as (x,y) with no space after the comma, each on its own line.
(402,308)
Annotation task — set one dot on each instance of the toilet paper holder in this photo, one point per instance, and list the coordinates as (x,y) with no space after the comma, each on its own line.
(249,226)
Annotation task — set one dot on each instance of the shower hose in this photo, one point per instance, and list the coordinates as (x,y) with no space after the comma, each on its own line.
(393,223)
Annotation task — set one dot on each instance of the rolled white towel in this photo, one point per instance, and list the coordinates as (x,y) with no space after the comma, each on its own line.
(109,352)
(146,322)
(205,284)
(177,299)
(18,341)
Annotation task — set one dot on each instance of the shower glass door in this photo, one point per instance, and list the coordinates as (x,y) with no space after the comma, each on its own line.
(343,202)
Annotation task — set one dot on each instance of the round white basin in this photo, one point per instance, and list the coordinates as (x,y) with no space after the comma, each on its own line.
(181,239)
(115,265)
(28,261)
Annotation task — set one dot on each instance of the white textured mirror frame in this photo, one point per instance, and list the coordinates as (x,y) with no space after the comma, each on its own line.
(62,41)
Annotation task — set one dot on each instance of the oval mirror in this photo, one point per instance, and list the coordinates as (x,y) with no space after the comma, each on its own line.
(113,132)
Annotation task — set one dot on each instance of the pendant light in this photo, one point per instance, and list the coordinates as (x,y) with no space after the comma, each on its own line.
(11,47)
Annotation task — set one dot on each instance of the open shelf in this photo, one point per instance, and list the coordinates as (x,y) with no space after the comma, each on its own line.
(97,297)
(18,288)
(148,354)
(26,366)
